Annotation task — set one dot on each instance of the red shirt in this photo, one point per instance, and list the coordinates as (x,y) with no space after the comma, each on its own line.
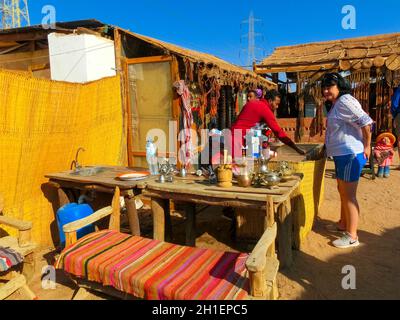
(258,112)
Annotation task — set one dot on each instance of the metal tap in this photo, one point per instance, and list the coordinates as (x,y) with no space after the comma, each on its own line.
(75,162)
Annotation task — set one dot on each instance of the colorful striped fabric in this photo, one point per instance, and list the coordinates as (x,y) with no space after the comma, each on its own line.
(154,270)
(9,258)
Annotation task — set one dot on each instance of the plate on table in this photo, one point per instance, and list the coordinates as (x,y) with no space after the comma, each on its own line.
(134,176)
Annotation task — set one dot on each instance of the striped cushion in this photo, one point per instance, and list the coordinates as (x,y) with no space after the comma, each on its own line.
(154,270)
(9,258)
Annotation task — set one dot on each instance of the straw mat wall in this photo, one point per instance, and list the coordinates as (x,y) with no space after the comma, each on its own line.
(42,124)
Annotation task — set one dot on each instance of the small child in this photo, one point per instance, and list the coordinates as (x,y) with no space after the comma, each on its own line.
(384,153)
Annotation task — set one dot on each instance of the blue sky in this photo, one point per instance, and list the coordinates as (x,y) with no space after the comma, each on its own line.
(215,26)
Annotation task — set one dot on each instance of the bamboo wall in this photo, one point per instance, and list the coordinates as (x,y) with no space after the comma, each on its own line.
(42,124)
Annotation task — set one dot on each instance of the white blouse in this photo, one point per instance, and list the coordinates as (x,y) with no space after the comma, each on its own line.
(344,123)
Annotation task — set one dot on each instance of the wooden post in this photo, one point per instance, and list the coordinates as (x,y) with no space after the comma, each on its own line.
(285,226)
(258,287)
(275,78)
(132,213)
(120,64)
(300,118)
(168,224)
(190,210)
(63,198)
(157,206)
(115,219)
(128,111)
(269,222)
(28,268)
(70,238)
(176,106)
(24,238)
(161,219)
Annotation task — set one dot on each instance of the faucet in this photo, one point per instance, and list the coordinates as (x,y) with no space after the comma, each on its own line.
(75,162)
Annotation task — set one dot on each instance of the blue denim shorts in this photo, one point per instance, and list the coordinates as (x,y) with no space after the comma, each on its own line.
(349,167)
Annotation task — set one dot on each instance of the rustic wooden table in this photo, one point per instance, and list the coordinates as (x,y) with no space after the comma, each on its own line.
(192,191)
(105,182)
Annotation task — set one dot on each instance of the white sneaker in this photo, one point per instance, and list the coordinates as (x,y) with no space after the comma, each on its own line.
(346,242)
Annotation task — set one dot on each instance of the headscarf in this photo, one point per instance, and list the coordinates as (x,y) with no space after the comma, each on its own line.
(259,93)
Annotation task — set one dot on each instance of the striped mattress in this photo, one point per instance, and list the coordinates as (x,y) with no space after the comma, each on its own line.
(154,270)
(9,258)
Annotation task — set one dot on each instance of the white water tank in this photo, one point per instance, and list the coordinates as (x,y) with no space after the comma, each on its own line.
(81,58)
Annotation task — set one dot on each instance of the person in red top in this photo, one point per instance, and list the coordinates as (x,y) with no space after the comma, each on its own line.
(260,111)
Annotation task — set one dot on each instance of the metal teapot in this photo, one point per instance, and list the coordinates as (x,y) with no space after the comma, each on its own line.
(244,180)
(272,179)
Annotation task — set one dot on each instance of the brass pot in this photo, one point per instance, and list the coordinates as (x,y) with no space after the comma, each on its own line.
(244,181)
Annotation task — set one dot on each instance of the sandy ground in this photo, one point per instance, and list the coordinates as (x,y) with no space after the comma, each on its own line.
(317,269)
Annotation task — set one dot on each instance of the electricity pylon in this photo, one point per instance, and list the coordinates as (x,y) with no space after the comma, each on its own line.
(14,14)
(251,37)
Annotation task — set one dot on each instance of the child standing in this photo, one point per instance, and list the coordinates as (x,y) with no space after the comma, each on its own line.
(384,153)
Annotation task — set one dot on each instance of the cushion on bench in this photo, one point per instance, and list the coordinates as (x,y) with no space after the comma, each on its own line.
(154,270)
(9,258)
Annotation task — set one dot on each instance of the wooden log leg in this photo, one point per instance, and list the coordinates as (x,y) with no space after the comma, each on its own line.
(63,198)
(190,210)
(168,223)
(372,164)
(285,234)
(296,218)
(274,295)
(258,284)
(269,222)
(132,214)
(29,266)
(158,209)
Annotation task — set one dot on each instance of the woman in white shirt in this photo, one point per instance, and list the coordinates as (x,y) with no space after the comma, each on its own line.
(348,141)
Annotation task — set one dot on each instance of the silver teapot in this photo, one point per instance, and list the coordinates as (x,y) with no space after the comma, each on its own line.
(167,171)
(272,179)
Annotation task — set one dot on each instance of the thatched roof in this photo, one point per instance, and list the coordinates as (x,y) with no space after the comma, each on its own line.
(11,38)
(328,54)
(207,59)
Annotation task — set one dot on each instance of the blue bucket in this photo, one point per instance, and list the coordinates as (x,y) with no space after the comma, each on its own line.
(70,213)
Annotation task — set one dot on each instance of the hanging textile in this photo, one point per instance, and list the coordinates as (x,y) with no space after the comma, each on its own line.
(214,98)
(186,152)
(360,83)
(230,105)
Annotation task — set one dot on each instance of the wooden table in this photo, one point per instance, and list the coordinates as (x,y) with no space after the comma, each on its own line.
(276,202)
(105,182)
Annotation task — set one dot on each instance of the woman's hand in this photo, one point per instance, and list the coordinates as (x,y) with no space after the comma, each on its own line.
(367,152)
(301,151)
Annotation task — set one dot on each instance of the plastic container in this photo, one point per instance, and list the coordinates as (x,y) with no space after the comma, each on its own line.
(151,156)
(70,213)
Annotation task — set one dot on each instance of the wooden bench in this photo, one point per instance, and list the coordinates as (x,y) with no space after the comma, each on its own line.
(12,278)
(132,267)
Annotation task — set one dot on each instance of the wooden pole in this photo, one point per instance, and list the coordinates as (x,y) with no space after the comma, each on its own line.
(190,210)
(132,214)
(269,222)
(285,226)
(115,219)
(158,209)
